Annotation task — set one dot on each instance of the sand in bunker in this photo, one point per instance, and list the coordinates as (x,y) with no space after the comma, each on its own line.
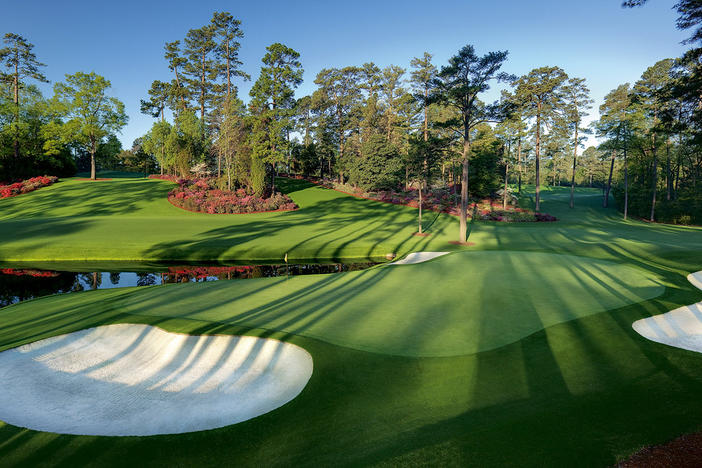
(418,257)
(681,327)
(127,379)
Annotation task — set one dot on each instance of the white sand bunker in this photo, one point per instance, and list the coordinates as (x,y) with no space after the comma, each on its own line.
(681,327)
(418,257)
(129,379)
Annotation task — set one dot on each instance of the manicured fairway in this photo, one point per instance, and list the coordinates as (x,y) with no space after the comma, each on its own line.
(516,351)
(131,219)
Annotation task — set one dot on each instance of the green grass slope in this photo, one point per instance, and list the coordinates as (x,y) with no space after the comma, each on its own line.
(131,219)
(584,392)
(517,352)
(458,304)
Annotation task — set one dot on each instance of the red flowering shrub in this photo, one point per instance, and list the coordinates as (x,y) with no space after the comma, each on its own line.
(201,272)
(201,195)
(26,186)
(34,273)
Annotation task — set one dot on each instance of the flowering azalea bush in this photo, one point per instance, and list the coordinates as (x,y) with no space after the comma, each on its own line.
(447,200)
(28,272)
(203,272)
(26,186)
(203,196)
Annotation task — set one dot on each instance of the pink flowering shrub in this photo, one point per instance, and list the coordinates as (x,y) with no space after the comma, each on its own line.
(201,195)
(447,200)
(26,186)
(202,272)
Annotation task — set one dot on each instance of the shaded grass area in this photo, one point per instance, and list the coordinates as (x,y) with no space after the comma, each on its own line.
(112,175)
(578,388)
(478,301)
(131,219)
(581,393)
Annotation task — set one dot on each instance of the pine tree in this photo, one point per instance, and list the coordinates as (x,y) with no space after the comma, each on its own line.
(159,95)
(422,77)
(201,70)
(20,63)
(336,99)
(273,103)
(540,94)
(226,31)
(577,102)
(458,85)
(176,63)
(650,94)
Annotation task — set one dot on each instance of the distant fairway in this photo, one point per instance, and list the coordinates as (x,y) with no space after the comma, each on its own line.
(131,219)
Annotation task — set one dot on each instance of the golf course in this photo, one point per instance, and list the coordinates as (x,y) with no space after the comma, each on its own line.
(514,348)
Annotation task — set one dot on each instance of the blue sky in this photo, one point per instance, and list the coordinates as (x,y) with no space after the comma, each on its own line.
(123,41)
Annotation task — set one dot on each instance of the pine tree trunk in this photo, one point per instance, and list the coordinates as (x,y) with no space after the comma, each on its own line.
(426,120)
(15,143)
(504,193)
(463,226)
(626,185)
(655,186)
(182,98)
(538,157)
(420,206)
(668,176)
(605,203)
(575,161)
(202,93)
(426,138)
(519,159)
(229,81)
(93,148)
(655,171)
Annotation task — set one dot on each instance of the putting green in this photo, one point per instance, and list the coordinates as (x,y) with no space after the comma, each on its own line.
(461,303)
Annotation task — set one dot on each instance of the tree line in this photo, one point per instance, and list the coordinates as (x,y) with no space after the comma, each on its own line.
(370,127)
(40,135)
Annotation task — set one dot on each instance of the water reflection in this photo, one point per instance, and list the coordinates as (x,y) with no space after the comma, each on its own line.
(20,284)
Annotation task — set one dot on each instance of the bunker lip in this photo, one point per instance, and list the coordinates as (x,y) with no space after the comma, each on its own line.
(681,327)
(139,380)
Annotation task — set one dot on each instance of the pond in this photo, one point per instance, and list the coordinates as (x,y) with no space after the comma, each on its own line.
(23,282)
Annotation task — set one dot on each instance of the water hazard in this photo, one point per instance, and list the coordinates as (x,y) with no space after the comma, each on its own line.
(23,283)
